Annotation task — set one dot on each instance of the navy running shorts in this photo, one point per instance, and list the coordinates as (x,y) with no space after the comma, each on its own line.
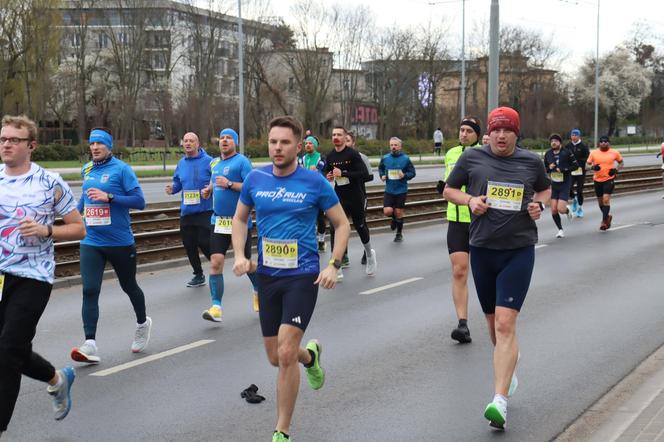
(560,191)
(458,235)
(394,201)
(286,300)
(502,277)
(604,188)
(221,242)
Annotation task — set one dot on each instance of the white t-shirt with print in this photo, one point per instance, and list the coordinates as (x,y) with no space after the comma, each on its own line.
(40,195)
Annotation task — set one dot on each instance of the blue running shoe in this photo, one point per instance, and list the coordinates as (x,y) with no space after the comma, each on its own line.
(579,212)
(62,395)
(575,204)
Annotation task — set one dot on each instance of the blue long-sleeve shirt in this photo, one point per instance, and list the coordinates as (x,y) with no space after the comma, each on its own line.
(191,175)
(389,166)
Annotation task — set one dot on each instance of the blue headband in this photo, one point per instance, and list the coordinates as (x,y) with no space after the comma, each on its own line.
(313,140)
(231,132)
(101,136)
(576,132)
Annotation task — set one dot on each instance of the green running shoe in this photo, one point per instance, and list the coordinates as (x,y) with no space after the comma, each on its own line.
(315,373)
(496,414)
(278,436)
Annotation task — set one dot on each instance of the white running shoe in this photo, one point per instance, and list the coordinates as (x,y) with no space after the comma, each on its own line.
(142,336)
(560,234)
(86,353)
(372,264)
(340,275)
(513,385)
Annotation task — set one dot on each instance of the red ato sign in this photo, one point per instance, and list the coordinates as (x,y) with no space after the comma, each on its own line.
(365,115)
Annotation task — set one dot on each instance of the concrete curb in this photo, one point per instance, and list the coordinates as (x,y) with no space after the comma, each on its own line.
(609,417)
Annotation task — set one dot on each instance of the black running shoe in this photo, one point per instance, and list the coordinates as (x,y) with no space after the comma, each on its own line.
(462,334)
(398,237)
(345,262)
(197,281)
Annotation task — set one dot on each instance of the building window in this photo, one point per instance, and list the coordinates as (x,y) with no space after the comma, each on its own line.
(75,40)
(102,40)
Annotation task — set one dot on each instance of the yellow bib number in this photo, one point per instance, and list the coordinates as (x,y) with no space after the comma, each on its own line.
(2,284)
(223,224)
(557,177)
(393,174)
(280,253)
(577,172)
(191,197)
(341,180)
(505,196)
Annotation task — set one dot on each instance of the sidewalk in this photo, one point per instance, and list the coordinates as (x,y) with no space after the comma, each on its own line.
(632,411)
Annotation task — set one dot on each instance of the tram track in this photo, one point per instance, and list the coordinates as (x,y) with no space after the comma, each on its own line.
(157,233)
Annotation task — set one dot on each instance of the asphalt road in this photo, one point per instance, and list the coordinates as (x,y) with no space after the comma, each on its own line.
(393,373)
(154,189)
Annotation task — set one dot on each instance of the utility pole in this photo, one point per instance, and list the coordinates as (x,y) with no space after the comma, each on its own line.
(463,60)
(241,73)
(494,54)
(597,79)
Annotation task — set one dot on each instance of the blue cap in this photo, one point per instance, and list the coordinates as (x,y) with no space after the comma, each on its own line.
(576,132)
(101,136)
(232,133)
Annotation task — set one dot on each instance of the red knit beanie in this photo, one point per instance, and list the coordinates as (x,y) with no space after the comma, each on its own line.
(504,118)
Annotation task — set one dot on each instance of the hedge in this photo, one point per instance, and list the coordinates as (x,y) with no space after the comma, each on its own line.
(255,148)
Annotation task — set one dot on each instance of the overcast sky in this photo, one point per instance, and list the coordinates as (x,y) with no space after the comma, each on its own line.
(572,21)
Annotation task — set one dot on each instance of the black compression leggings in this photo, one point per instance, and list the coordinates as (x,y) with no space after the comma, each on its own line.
(355,211)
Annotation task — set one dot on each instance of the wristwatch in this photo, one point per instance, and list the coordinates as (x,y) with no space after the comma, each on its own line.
(110,197)
(229,185)
(336,263)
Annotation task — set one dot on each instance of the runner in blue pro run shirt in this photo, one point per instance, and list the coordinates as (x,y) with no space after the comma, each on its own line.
(227,176)
(110,189)
(287,199)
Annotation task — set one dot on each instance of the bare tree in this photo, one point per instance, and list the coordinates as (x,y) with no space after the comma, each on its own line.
(126,26)
(28,51)
(211,52)
(311,65)
(350,45)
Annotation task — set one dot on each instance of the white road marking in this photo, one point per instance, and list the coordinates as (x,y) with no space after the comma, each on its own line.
(151,358)
(621,227)
(539,246)
(390,286)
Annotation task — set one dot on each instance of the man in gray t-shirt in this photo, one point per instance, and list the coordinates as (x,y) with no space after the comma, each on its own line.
(509,184)
(506,188)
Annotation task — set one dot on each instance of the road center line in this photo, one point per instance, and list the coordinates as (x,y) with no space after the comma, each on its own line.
(390,286)
(163,354)
(622,227)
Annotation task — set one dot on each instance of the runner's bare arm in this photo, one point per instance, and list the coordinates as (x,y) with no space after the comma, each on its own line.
(239,237)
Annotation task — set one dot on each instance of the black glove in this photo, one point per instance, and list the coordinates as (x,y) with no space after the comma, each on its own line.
(613,172)
(250,395)
(596,167)
(440,187)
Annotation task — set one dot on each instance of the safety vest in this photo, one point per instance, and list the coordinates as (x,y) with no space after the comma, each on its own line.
(454,212)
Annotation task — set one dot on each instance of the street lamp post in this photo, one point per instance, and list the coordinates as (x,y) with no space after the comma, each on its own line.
(240,74)
(463,60)
(494,53)
(597,78)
